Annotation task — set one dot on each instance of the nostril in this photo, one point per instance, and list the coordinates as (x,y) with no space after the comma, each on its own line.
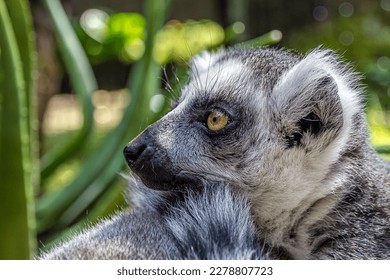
(133,152)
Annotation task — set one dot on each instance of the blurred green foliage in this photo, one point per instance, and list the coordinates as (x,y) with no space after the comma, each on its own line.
(83,81)
(18,172)
(111,36)
(179,41)
(106,36)
(360,34)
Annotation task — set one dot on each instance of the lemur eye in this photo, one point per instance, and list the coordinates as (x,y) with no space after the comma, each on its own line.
(217,120)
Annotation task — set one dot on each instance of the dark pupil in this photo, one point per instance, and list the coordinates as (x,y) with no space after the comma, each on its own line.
(215,119)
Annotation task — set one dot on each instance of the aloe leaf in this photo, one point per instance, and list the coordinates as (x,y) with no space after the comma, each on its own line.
(269,38)
(17,236)
(383,149)
(82,79)
(23,27)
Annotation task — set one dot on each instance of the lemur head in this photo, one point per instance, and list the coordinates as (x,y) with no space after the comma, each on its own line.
(264,120)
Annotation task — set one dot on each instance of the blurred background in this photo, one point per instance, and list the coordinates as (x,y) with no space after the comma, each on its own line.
(79,79)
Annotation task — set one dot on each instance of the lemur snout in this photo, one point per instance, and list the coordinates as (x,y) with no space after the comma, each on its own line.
(140,150)
(137,151)
(151,163)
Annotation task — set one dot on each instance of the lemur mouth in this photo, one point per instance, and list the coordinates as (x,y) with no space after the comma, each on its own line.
(153,166)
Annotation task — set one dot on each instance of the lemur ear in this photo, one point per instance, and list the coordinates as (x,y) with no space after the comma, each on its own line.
(308,102)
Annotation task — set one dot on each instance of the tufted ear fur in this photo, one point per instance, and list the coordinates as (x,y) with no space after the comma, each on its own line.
(314,102)
(202,62)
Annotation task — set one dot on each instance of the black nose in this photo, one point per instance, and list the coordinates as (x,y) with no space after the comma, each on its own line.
(140,151)
(137,153)
(133,151)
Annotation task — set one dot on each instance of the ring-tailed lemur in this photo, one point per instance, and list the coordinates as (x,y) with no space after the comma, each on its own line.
(287,131)
(212,223)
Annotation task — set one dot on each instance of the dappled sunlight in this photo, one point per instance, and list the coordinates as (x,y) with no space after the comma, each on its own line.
(64,112)
(179,41)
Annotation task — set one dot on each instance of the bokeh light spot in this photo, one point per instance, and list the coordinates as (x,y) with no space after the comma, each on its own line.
(320,13)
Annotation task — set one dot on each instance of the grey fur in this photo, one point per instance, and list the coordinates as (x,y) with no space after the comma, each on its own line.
(210,224)
(125,236)
(296,146)
(215,224)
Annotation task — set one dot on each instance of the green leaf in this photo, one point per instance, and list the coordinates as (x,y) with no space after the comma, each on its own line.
(383,149)
(82,79)
(269,38)
(17,238)
(25,37)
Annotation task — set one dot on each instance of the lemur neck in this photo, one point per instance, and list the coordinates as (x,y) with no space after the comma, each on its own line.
(288,228)
(286,213)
